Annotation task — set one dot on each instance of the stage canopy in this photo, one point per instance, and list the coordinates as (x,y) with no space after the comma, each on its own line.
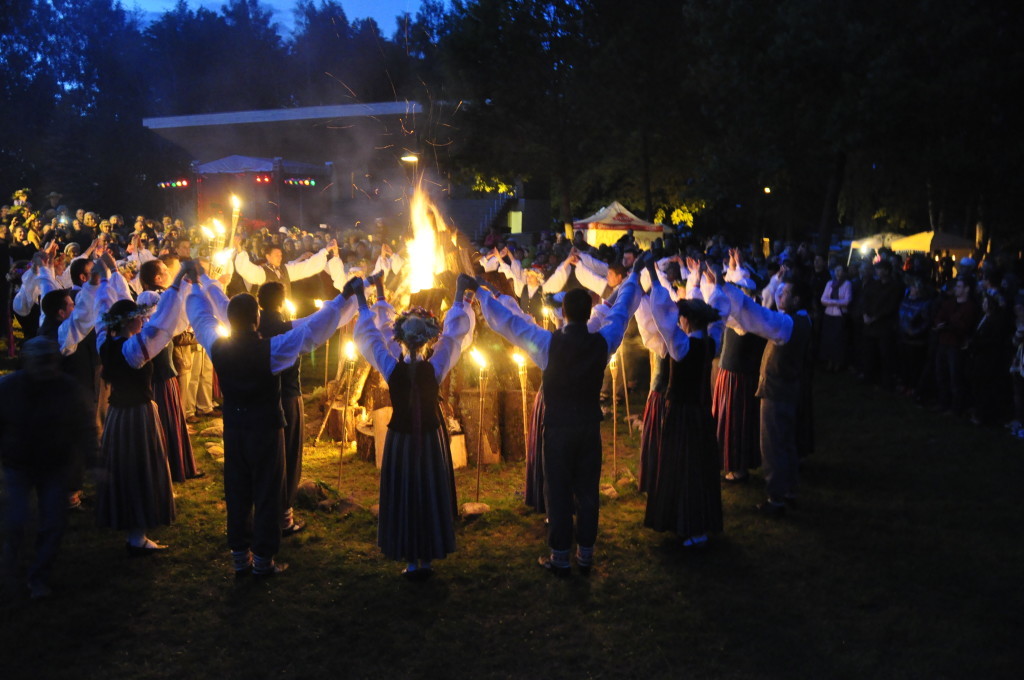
(610,223)
(236,165)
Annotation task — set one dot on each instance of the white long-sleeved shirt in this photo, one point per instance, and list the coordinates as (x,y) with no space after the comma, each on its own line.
(73,330)
(286,348)
(746,316)
(552,284)
(458,323)
(665,313)
(156,332)
(255,275)
(536,341)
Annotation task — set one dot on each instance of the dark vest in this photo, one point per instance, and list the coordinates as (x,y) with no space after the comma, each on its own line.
(742,353)
(534,306)
(783,366)
(128,386)
(573,377)
(280,275)
(661,368)
(414,398)
(252,393)
(690,379)
(271,324)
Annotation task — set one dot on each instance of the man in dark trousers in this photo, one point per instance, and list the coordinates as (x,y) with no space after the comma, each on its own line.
(45,421)
(573,361)
(248,367)
(781,384)
(272,323)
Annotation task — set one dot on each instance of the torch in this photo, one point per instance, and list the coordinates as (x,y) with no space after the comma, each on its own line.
(521,365)
(625,395)
(236,210)
(481,363)
(319,304)
(613,365)
(350,358)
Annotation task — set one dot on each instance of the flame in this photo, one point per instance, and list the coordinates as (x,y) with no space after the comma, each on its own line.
(318,303)
(426,257)
(350,350)
(206,232)
(236,204)
(223,331)
(519,359)
(222,257)
(218,227)
(479,358)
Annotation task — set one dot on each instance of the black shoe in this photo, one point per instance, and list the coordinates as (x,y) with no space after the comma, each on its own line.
(418,575)
(559,571)
(150,547)
(769,509)
(295,528)
(274,569)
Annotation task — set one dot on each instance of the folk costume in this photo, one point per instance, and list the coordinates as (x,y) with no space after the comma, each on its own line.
(136,494)
(417,481)
(573,362)
(684,490)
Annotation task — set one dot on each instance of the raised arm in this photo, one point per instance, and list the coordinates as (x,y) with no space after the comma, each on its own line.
(626,302)
(250,273)
(309,267)
(286,348)
(158,331)
(665,315)
(595,280)
(649,332)
(523,333)
(558,278)
(73,330)
(458,326)
(746,314)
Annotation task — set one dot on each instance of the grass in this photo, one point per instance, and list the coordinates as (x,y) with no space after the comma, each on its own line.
(903,562)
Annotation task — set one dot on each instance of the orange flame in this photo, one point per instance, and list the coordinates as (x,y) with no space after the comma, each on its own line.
(426,256)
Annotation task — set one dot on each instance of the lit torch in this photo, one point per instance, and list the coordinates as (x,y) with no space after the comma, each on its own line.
(481,362)
(521,365)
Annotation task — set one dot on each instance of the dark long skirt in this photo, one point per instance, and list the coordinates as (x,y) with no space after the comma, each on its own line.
(417,497)
(737,418)
(535,455)
(180,456)
(832,347)
(136,493)
(650,439)
(687,494)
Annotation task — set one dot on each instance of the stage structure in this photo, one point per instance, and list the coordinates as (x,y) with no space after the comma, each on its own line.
(276,192)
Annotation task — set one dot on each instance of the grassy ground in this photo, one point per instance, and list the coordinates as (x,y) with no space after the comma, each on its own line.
(904,561)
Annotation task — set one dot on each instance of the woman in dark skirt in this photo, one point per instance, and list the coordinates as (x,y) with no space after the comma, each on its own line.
(685,495)
(180,456)
(135,495)
(417,481)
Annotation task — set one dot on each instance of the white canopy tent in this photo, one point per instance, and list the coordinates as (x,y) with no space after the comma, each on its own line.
(610,223)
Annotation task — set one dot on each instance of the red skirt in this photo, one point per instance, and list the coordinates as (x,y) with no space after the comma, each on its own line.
(180,457)
(650,440)
(737,420)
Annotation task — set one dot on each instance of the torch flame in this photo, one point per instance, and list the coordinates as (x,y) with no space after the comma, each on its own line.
(218,227)
(425,255)
(223,331)
(318,303)
(350,350)
(221,257)
(290,306)
(479,358)
(207,233)
(519,359)
(236,203)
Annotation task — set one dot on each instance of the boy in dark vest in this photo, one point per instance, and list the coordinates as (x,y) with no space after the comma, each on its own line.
(248,367)
(573,361)
(780,383)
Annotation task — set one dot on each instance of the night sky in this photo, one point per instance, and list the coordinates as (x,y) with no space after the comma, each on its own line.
(383,11)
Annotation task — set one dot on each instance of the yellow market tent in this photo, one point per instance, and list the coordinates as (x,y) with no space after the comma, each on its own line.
(933,242)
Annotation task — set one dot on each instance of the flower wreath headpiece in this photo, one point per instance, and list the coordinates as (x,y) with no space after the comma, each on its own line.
(117,321)
(431,327)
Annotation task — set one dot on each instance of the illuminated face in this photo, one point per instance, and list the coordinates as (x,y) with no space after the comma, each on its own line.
(68,309)
(86,272)
(132,326)
(274,257)
(613,278)
(163,276)
(785,300)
